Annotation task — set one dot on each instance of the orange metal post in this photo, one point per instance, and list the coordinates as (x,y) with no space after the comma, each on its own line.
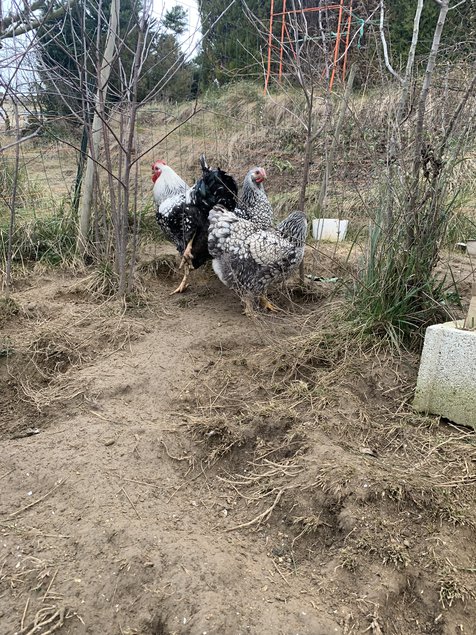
(283,24)
(270,46)
(347,39)
(337,46)
(284,30)
(290,41)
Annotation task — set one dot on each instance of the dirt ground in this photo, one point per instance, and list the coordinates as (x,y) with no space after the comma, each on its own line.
(166,470)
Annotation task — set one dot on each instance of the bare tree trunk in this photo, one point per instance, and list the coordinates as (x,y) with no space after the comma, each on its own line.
(96,130)
(305,169)
(410,61)
(412,221)
(425,89)
(307,154)
(384,43)
(79,171)
(13,202)
(400,114)
(130,148)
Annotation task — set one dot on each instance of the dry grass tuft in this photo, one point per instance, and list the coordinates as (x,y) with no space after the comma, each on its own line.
(456,584)
(8,309)
(160,266)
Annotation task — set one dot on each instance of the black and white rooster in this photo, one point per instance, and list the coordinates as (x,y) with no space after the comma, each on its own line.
(183,216)
(248,258)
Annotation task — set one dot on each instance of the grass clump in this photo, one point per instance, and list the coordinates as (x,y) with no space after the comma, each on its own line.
(391,297)
(397,292)
(50,240)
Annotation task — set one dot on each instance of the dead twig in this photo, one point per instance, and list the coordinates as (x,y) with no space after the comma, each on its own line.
(39,500)
(171,456)
(132,504)
(281,573)
(49,585)
(375,627)
(22,623)
(133,480)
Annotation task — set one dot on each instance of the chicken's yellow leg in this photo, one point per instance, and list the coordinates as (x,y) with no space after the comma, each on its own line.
(187,254)
(248,309)
(183,285)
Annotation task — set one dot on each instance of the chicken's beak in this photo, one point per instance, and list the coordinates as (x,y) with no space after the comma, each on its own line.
(156,172)
(261,175)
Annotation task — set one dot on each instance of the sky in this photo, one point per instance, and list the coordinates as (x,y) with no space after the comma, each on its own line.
(191,38)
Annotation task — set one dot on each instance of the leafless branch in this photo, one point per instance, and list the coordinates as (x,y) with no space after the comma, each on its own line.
(384,44)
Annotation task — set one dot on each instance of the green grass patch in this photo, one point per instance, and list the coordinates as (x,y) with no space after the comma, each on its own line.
(51,239)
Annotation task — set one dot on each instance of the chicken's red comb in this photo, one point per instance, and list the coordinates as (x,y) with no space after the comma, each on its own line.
(159,161)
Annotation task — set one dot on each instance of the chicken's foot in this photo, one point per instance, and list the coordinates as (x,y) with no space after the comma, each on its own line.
(183,285)
(269,306)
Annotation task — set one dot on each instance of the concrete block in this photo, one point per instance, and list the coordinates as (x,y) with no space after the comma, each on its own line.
(446,382)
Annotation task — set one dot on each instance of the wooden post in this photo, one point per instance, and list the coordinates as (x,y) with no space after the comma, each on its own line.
(470,321)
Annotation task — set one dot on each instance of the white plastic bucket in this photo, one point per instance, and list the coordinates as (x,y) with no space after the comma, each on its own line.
(332,229)
(471,247)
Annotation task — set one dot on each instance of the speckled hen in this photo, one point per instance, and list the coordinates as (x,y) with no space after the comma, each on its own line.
(253,203)
(248,258)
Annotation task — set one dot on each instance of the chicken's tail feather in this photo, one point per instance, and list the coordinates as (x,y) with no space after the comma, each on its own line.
(203,163)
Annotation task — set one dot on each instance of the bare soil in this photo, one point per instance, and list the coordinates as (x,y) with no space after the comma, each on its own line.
(176,468)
